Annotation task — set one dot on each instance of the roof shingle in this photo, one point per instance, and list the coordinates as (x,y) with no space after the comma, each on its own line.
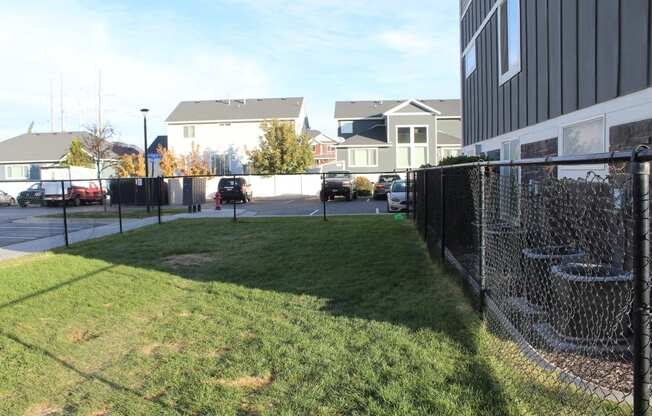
(240,109)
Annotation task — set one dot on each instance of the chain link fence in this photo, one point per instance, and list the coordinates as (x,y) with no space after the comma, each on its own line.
(559,268)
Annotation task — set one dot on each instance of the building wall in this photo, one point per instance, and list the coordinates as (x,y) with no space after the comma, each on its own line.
(386,161)
(575,54)
(428,120)
(233,139)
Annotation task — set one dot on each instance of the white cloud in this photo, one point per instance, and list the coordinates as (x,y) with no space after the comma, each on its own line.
(406,42)
(134,74)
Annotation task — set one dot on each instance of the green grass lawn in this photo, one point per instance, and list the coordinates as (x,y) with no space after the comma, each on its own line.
(133,213)
(269,316)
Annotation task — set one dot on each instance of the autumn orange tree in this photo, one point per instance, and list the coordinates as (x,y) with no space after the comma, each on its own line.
(131,166)
(193,164)
(169,163)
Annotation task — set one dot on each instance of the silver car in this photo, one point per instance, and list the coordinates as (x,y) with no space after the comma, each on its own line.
(397,197)
(6,199)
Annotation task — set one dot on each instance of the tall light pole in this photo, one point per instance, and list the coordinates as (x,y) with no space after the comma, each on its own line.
(145,111)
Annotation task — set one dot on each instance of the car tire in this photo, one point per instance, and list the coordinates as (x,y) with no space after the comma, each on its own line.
(348,196)
(77,202)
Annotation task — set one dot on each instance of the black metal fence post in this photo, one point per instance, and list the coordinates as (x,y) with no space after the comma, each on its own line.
(120,205)
(65,213)
(235,215)
(442,201)
(481,238)
(424,198)
(641,273)
(407,192)
(160,191)
(323,194)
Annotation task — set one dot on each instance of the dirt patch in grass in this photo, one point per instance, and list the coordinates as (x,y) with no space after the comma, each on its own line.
(186,260)
(157,347)
(43,409)
(248,382)
(81,335)
(218,353)
(103,412)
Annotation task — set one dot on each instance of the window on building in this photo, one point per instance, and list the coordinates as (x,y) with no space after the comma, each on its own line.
(411,146)
(17,172)
(189,132)
(403,135)
(470,61)
(584,138)
(346,127)
(363,157)
(509,39)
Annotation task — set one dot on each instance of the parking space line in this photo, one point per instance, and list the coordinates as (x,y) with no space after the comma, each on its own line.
(16,238)
(313,213)
(289,202)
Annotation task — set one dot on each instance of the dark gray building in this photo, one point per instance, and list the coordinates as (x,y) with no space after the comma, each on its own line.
(555,77)
(388,135)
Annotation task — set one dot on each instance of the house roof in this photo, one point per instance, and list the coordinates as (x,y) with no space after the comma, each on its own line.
(120,148)
(234,110)
(32,147)
(375,136)
(317,136)
(376,109)
(159,141)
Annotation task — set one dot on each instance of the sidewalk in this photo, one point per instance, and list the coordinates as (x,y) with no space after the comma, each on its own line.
(49,243)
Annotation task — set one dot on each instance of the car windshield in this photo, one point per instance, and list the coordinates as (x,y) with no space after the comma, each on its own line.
(390,178)
(229,182)
(398,186)
(34,187)
(338,175)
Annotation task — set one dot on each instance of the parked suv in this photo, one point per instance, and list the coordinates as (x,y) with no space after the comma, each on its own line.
(31,196)
(338,184)
(77,193)
(6,199)
(235,189)
(381,188)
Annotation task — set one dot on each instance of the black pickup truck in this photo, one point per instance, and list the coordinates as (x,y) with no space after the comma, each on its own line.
(338,184)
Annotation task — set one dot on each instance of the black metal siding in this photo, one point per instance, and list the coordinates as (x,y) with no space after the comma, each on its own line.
(575,53)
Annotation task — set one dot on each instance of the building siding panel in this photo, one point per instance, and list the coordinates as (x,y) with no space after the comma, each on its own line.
(555,59)
(635,48)
(607,49)
(522,77)
(586,52)
(542,60)
(569,55)
(531,52)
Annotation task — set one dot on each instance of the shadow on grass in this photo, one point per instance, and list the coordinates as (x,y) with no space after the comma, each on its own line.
(371,268)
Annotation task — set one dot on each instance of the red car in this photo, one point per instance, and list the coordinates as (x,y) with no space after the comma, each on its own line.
(76,193)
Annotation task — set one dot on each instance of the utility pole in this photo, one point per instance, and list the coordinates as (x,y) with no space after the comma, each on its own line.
(51,106)
(99,101)
(61,97)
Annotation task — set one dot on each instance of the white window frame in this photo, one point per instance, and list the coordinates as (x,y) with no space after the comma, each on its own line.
(194,132)
(349,123)
(470,51)
(412,145)
(516,68)
(441,149)
(600,168)
(25,176)
(375,150)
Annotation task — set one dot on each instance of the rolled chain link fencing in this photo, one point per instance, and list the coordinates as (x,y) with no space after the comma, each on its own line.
(550,262)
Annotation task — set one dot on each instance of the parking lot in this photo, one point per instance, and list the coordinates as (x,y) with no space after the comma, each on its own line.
(18,225)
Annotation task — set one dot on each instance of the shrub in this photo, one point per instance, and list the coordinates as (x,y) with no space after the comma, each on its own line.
(457,160)
(363,186)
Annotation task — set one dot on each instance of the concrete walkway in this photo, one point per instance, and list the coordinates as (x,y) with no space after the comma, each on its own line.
(50,243)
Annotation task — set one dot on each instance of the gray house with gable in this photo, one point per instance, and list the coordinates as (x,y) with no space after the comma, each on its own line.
(397,134)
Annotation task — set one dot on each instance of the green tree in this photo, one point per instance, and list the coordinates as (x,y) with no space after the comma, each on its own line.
(77,156)
(281,150)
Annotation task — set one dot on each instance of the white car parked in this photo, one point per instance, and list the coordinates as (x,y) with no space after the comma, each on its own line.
(397,197)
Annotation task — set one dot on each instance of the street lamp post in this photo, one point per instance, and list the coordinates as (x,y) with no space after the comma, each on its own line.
(145,111)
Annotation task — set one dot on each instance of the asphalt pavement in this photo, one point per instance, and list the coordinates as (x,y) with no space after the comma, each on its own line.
(20,225)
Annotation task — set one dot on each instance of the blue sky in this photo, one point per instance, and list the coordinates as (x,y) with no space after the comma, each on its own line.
(156,53)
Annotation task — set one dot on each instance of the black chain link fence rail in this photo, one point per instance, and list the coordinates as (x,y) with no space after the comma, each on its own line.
(559,268)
